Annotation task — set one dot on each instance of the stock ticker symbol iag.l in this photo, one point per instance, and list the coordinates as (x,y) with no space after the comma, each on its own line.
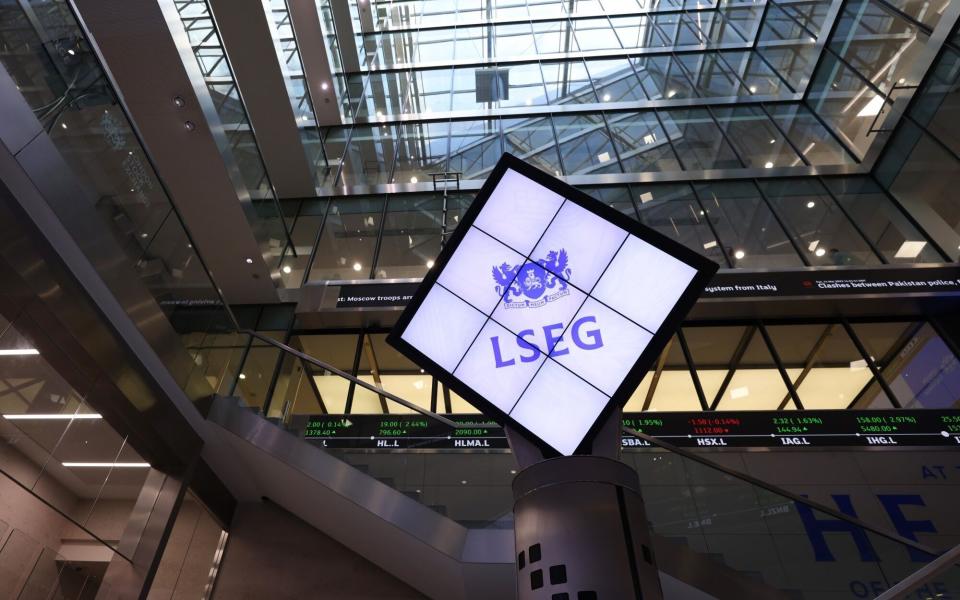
(531,284)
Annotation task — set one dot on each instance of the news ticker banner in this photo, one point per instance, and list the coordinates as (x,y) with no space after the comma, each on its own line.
(768,429)
(727,284)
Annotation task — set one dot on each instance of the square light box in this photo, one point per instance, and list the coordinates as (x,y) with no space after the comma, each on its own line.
(546,307)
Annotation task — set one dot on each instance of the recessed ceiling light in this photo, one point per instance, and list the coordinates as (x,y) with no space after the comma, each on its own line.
(143,235)
(811,204)
(287,269)
(324,86)
(820,252)
(64,125)
(429,264)
(19,352)
(606,97)
(753,89)
(71,52)
(768,165)
(671,93)
(773,141)
(357,266)
(249,261)
(242,376)
(414,179)
(910,249)
(739,254)
(872,108)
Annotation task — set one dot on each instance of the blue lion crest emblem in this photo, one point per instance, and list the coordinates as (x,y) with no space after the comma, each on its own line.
(534,283)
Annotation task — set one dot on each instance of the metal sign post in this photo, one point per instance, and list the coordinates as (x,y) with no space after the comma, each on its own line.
(545,309)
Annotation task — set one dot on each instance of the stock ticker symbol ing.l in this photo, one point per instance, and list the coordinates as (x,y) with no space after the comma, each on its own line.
(532,284)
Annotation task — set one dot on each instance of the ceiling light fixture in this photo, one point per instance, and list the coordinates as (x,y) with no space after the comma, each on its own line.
(739,254)
(414,179)
(429,264)
(287,269)
(910,249)
(242,376)
(671,93)
(19,351)
(606,97)
(51,416)
(811,204)
(324,86)
(820,252)
(768,165)
(63,125)
(357,266)
(107,465)
(872,108)
(249,261)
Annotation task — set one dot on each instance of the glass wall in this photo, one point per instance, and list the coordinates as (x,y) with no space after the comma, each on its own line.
(769,365)
(767,223)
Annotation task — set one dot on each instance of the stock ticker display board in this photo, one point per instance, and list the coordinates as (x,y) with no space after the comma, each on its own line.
(771,429)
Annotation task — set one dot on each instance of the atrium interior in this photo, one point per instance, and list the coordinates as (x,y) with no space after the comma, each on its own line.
(214,212)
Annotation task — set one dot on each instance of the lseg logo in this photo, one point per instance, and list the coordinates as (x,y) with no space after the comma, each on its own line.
(531,285)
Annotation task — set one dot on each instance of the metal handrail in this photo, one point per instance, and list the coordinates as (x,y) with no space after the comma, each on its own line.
(947,560)
(367,386)
(782,492)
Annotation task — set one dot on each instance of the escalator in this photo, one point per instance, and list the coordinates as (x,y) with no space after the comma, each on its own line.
(441,521)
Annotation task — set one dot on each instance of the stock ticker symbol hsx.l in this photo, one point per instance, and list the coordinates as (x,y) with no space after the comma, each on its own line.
(531,284)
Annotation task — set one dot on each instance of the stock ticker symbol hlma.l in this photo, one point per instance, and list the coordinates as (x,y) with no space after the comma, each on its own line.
(546,307)
(535,283)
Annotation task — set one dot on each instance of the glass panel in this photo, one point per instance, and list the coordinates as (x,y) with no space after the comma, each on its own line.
(813,140)
(878,43)
(568,82)
(532,140)
(673,210)
(304,234)
(825,367)
(585,144)
(616,197)
(411,236)
(759,78)
(711,77)
(824,234)
(757,140)
(641,143)
(673,390)
(715,352)
(749,232)
(475,147)
(697,140)
(756,383)
(915,362)
(422,149)
(615,80)
(368,159)
(883,223)
(348,239)
(662,77)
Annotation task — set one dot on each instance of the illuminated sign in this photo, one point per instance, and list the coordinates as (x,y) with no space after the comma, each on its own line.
(546,307)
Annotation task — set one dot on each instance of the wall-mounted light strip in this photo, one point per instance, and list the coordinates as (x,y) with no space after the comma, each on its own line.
(18,351)
(107,465)
(51,417)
